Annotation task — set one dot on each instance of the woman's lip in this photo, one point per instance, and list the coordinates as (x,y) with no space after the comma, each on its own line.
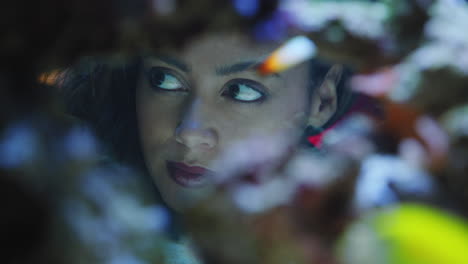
(188,176)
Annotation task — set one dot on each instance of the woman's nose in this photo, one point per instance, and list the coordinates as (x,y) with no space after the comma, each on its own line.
(193,130)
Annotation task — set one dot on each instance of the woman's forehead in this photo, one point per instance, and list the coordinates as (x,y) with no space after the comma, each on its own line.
(223,54)
(224,49)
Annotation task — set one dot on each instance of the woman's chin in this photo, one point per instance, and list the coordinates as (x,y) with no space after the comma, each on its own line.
(180,198)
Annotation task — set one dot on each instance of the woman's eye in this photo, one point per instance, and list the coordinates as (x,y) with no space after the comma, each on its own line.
(165,80)
(243,92)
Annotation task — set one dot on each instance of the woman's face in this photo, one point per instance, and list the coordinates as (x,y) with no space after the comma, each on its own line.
(193,104)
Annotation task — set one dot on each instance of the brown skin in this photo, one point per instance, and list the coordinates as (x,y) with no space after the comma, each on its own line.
(193,116)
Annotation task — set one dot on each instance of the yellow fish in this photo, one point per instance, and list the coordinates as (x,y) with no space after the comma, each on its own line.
(407,234)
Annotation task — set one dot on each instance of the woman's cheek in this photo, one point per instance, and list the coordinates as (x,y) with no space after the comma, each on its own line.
(241,121)
(157,119)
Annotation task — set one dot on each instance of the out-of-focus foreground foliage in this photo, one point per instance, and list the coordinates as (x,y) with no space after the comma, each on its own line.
(396,189)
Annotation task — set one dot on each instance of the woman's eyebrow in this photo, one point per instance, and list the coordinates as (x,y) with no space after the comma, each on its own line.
(173,61)
(236,67)
(248,65)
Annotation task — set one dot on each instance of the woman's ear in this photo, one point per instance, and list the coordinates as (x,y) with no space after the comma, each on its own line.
(324,99)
